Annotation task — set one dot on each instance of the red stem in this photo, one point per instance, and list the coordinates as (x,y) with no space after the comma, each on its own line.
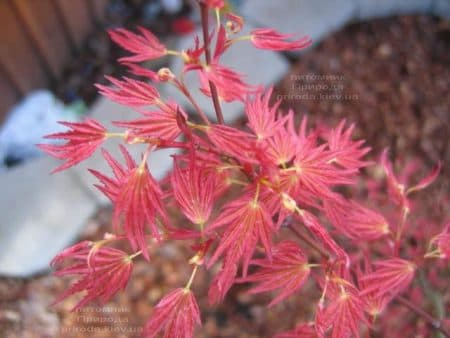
(433,322)
(309,241)
(398,236)
(215,97)
(188,95)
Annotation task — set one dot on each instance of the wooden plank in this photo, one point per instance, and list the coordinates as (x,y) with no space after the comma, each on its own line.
(98,7)
(76,15)
(8,97)
(41,22)
(17,55)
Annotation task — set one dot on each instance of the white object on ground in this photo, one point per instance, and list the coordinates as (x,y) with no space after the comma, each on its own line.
(40,214)
(37,115)
(172,6)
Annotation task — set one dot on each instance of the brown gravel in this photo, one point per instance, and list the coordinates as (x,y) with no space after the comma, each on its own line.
(394,78)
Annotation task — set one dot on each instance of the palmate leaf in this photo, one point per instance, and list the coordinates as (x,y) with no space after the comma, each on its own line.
(343,313)
(287,271)
(390,277)
(144,46)
(176,315)
(267,38)
(194,191)
(130,92)
(82,139)
(101,274)
(246,223)
(137,199)
(160,123)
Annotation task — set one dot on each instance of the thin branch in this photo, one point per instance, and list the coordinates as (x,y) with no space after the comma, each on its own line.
(433,322)
(212,86)
(181,86)
(309,241)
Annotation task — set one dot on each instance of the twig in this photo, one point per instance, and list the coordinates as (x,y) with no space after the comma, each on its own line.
(215,97)
(433,322)
(181,86)
(309,241)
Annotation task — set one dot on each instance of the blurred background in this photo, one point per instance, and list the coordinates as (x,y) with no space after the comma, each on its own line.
(384,65)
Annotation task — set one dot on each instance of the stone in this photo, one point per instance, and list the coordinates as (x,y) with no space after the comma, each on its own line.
(301,17)
(40,214)
(441,8)
(367,9)
(106,111)
(260,67)
(321,17)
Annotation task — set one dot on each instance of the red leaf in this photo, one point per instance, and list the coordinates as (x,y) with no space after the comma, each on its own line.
(194,191)
(247,222)
(266,38)
(356,221)
(344,312)
(391,277)
(83,139)
(262,118)
(347,153)
(176,315)
(106,272)
(144,46)
(288,271)
(130,92)
(160,123)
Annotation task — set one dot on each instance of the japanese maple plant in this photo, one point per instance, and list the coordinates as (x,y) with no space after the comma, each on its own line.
(285,179)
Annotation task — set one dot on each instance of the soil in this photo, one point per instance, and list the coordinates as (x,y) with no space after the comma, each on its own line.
(393,78)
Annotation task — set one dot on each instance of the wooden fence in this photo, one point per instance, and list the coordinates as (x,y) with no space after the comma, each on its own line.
(39,37)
